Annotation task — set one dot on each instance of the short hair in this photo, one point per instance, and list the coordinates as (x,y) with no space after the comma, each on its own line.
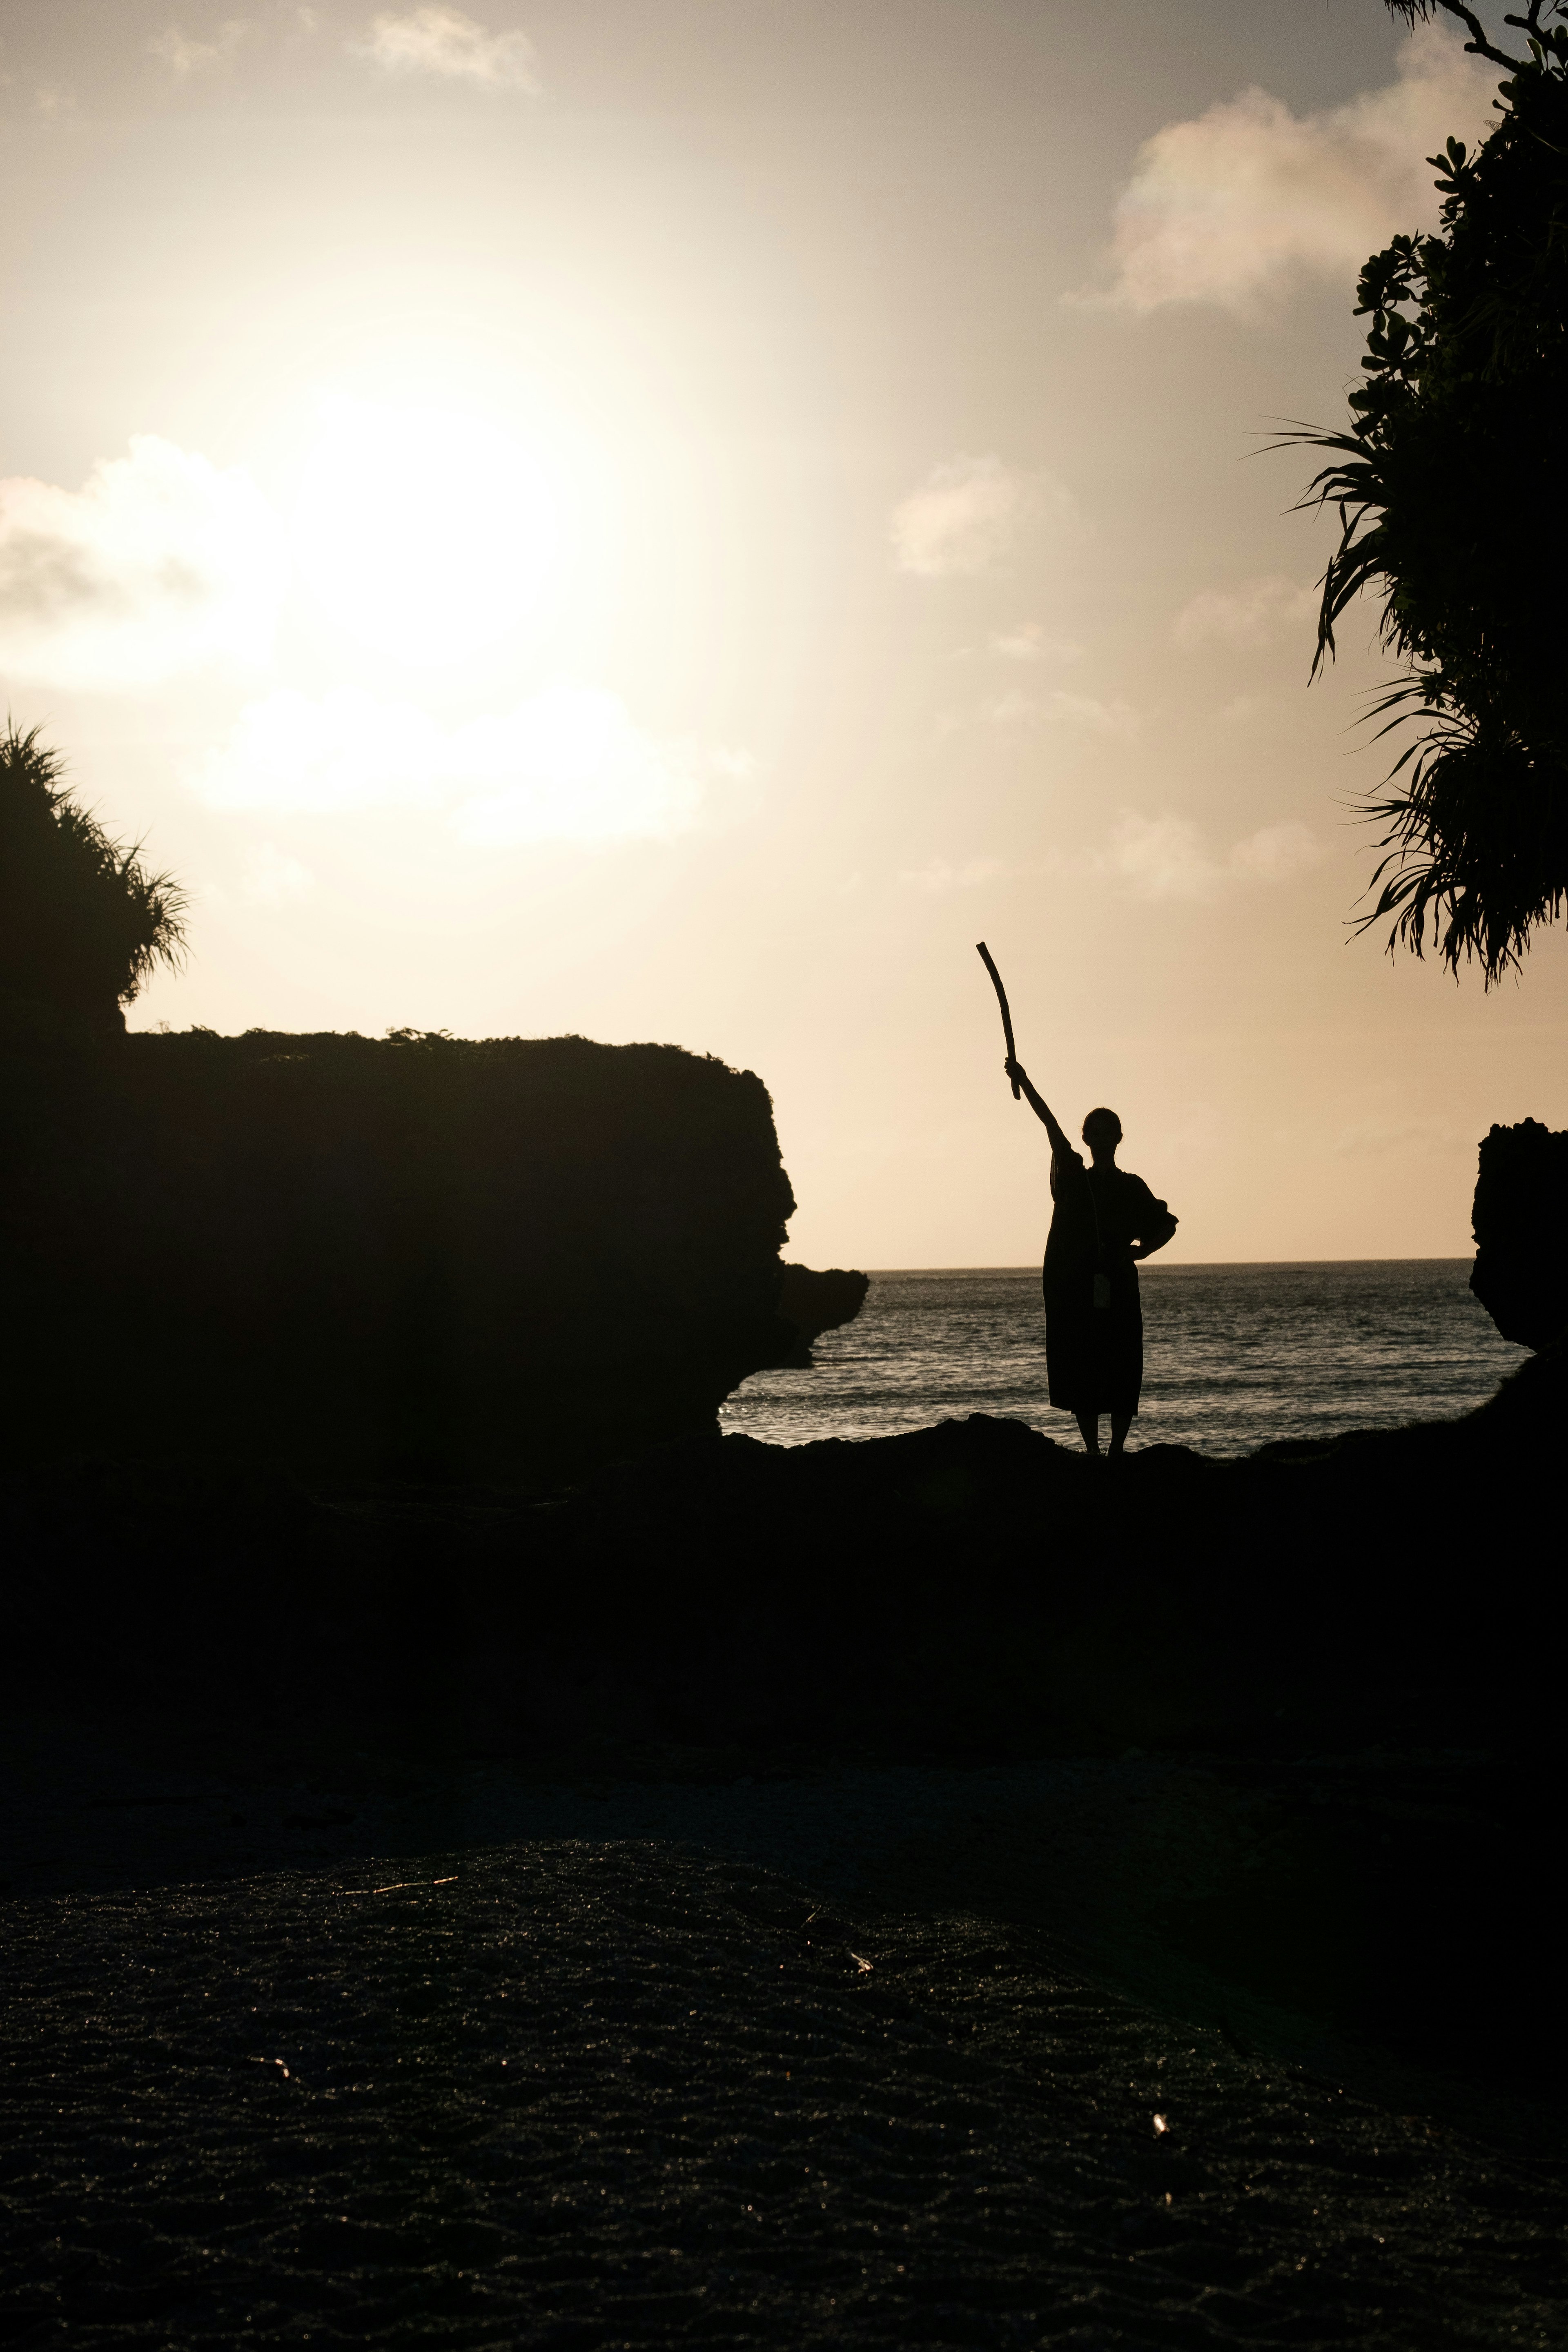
(1101,1117)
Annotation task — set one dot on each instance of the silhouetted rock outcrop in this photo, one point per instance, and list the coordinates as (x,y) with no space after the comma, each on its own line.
(410,1256)
(1520,1224)
(815,1303)
(971,1589)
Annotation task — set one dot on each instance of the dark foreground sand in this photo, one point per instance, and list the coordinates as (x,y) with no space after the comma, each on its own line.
(732,1901)
(618,2095)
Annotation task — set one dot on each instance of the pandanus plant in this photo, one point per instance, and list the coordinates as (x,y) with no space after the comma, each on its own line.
(82,922)
(1452,491)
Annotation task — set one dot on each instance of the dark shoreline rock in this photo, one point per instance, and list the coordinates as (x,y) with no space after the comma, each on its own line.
(813,1303)
(1520,1225)
(1353,1647)
(968,1589)
(413,1256)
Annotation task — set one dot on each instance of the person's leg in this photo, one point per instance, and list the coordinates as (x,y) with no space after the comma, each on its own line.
(1120,1422)
(1089,1423)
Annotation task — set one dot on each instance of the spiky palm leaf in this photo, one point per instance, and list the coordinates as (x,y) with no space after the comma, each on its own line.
(1452,506)
(83,923)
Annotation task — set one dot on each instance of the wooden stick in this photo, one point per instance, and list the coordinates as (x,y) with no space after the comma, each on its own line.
(984,955)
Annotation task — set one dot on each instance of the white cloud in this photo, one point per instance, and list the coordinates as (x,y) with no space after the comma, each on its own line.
(443,41)
(1095,718)
(1030,642)
(1165,857)
(1159,857)
(293,753)
(1015,708)
(1417,1139)
(966,513)
(53,102)
(1247,614)
(185,57)
(1242,709)
(273,880)
(1276,852)
(159,564)
(938,876)
(1231,207)
(568,764)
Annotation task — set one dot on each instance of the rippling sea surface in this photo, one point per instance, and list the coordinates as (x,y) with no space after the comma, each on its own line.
(1233,1355)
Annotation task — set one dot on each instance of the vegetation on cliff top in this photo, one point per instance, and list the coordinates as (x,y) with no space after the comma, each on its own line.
(83,923)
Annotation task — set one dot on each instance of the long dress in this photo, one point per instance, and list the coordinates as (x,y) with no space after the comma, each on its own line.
(1094,1351)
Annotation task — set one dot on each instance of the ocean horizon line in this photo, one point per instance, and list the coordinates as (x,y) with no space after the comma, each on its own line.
(1163,1265)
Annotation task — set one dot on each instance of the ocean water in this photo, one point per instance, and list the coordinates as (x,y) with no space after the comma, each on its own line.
(1233,1355)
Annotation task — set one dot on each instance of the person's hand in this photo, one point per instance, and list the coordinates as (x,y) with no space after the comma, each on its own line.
(1017,1072)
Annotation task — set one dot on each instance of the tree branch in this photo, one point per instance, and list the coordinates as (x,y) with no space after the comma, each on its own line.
(1478,45)
(1531,24)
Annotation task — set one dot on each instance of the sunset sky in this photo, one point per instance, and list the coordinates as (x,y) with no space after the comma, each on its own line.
(672,519)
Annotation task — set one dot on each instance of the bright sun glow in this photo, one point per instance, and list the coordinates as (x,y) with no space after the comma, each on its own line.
(425,533)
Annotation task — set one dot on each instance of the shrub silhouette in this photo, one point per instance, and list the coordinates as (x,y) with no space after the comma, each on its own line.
(82,922)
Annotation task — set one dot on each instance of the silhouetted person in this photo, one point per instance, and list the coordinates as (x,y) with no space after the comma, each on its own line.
(1102,1220)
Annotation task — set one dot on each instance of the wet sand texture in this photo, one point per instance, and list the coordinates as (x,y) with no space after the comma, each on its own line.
(565,2094)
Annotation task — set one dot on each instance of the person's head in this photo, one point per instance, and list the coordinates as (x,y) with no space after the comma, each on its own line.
(1102,1131)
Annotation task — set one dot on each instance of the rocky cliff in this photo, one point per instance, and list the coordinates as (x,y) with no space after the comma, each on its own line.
(812,1303)
(1520,1225)
(411,1255)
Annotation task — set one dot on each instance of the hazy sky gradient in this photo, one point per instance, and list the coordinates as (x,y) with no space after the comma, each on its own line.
(673,521)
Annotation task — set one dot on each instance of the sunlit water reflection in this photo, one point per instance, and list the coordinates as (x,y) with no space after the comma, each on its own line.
(1233,1355)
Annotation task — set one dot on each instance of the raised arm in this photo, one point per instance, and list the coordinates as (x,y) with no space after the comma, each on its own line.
(1039,1106)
